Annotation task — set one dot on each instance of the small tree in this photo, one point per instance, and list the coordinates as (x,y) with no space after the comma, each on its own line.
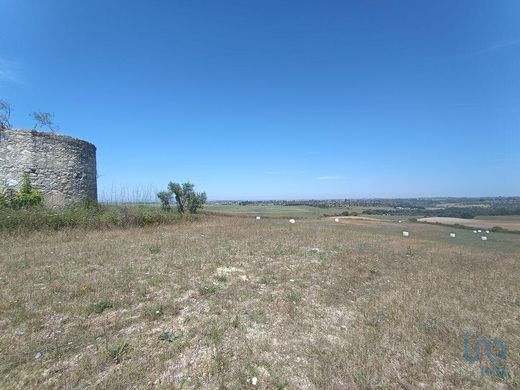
(5,114)
(186,198)
(43,119)
(166,199)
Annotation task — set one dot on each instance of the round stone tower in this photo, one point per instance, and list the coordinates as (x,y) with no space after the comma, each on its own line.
(61,168)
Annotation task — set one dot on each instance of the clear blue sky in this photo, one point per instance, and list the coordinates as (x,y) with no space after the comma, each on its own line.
(277,99)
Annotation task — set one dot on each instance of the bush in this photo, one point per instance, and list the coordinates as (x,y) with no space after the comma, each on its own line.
(27,197)
(84,215)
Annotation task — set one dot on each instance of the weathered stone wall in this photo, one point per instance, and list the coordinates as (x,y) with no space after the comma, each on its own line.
(62,168)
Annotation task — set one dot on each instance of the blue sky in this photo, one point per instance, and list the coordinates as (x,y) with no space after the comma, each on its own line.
(277,99)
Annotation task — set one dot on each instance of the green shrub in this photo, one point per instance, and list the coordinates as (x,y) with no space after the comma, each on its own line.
(27,197)
(117,351)
(497,229)
(86,215)
(100,307)
(155,249)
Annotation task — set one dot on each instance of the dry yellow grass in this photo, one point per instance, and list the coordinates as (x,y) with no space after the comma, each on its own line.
(212,304)
(488,223)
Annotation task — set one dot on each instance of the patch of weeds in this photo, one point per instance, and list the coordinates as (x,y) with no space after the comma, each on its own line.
(221,363)
(374,270)
(216,336)
(278,252)
(409,252)
(155,249)
(427,325)
(17,265)
(100,307)
(280,384)
(513,301)
(260,264)
(155,281)
(294,297)
(267,279)
(222,278)
(167,336)
(117,351)
(208,290)
(236,322)
(294,250)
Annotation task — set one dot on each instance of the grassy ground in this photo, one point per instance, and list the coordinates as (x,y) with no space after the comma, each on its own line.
(214,303)
(278,211)
(274,211)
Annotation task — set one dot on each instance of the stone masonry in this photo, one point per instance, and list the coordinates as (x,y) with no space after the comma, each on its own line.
(62,168)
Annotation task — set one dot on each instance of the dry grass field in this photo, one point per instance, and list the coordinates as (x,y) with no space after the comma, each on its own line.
(507,222)
(214,303)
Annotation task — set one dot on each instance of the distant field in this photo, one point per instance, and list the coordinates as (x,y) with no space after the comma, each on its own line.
(280,211)
(212,304)
(275,210)
(506,222)
(506,218)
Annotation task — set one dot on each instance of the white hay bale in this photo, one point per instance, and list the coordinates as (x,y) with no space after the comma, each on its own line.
(474,231)
(452,235)
(487,231)
(336,220)
(400,221)
(406,234)
(292,221)
(479,231)
(257,218)
(483,238)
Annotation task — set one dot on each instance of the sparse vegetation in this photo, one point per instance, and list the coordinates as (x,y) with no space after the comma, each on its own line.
(100,307)
(117,351)
(86,216)
(43,120)
(166,336)
(342,320)
(208,290)
(294,297)
(155,249)
(267,279)
(5,115)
